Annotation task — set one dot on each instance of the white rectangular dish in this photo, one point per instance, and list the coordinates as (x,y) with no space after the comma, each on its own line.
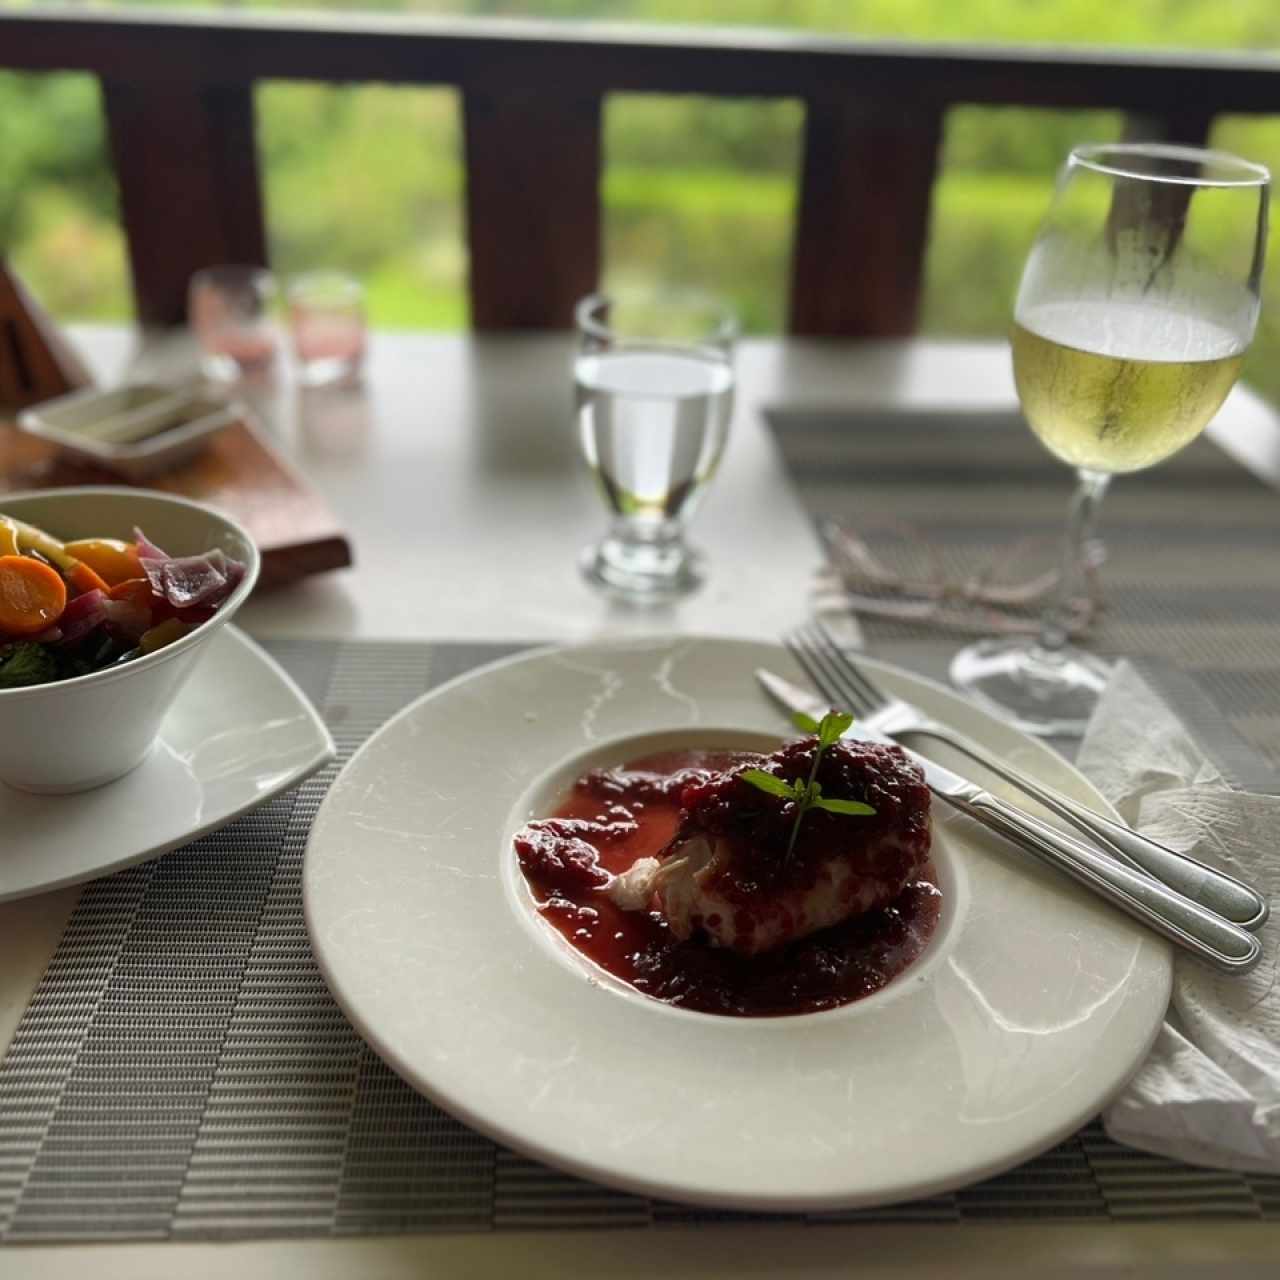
(136,430)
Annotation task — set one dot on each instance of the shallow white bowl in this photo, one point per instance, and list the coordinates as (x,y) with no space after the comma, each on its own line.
(239,732)
(1033,1004)
(79,733)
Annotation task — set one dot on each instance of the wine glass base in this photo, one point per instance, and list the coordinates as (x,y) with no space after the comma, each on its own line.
(1050,693)
(642,574)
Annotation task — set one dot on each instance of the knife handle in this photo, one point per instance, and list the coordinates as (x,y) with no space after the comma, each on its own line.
(1198,930)
(1219,892)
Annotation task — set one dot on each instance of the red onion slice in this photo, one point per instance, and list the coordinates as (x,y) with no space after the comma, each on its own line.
(127,617)
(147,550)
(189,581)
(82,614)
(193,580)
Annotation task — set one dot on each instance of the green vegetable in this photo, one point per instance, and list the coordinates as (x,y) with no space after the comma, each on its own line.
(90,655)
(25,663)
(808,794)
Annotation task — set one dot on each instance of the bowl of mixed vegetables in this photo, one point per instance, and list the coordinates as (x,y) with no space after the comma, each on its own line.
(107,597)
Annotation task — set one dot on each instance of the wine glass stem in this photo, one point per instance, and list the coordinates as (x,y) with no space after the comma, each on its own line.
(1055,625)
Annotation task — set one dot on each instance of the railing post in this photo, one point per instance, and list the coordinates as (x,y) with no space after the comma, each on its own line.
(1189,127)
(863,218)
(533,204)
(186,163)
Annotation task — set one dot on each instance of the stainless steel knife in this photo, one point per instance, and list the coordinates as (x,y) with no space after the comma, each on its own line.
(1201,932)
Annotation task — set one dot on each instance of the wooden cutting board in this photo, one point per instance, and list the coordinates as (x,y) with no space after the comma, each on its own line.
(238,472)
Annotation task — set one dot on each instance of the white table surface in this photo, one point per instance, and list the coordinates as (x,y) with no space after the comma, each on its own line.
(455,472)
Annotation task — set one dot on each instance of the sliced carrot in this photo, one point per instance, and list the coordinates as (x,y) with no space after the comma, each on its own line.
(137,594)
(137,590)
(83,578)
(32,596)
(112,559)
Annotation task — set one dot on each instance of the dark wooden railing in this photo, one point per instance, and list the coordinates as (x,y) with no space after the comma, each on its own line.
(177,90)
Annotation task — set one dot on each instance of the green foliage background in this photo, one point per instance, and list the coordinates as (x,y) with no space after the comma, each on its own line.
(697,190)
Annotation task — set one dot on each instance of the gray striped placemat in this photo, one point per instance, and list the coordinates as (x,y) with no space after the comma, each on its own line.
(182,1071)
(1191,580)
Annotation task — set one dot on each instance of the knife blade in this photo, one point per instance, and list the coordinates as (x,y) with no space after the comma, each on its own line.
(1183,921)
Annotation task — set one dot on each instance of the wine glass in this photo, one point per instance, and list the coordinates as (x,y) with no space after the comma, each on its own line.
(1137,302)
(653,382)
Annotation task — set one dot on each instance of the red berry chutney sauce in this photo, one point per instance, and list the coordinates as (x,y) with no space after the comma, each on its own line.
(612,817)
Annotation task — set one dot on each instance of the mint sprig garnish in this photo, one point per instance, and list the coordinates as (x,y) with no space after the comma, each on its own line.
(808,794)
(767,782)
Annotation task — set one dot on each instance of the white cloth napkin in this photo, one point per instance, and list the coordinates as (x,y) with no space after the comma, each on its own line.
(1209,1094)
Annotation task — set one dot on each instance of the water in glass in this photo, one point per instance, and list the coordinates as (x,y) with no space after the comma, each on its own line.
(654,395)
(652,426)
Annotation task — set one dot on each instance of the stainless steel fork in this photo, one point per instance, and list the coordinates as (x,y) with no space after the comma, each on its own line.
(827,662)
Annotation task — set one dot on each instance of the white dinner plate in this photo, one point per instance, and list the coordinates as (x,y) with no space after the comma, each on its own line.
(239,732)
(1032,1005)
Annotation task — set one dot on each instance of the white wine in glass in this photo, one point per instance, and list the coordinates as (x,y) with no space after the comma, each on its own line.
(1138,301)
(1144,395)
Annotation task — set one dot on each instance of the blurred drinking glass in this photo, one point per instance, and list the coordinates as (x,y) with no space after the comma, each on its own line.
(1137,303)
(653,381)
(327,320)
(230,311)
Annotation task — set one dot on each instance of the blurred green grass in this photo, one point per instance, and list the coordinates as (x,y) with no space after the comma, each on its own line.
(697,191)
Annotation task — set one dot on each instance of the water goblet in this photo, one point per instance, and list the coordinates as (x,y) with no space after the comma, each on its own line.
(653,381)
(1138,300)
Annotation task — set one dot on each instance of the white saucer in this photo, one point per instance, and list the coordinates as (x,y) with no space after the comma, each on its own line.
(239,733)
(1033,1004)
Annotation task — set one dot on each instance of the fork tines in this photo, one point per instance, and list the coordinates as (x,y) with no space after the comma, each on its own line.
(832,671)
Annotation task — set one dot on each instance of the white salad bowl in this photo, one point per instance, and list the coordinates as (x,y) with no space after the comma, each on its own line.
(74,734)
